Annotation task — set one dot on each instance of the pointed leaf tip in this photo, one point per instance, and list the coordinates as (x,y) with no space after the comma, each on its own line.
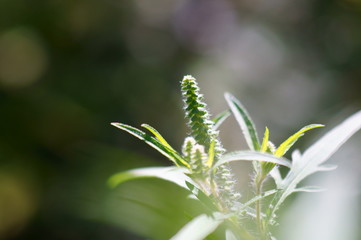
(155,143)
(286,145)
(244,121)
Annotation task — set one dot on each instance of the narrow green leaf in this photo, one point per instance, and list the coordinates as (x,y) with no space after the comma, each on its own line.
(176,175)
(171,154)
(244,120)
(156,134)
(286,145)
(200,227)
(252,156)
(309,189)
(265,141)
(220,118)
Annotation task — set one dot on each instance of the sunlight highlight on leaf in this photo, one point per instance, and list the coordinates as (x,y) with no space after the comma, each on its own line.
(264,145)
(163,149)
(252,156)
(176,175)
(286,145)
(200,227)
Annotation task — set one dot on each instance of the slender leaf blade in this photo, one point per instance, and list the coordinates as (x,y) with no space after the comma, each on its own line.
(286,145)
(200,227)
(244,120)
(230,235)
(220,118)
(276,175)
(310,189)
(176,175)
(252,156)
(156,134)
(264,145)
(171,154)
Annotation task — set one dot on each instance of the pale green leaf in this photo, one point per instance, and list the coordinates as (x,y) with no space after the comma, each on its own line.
(245,122)
(200,227)
(230,235)
(220,118)
(176,175)
(276,175)
(309,189)
(286,145)
(326,167)
(252,156)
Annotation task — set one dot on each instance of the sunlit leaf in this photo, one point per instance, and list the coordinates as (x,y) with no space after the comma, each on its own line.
(153,142)
(309,189)
(257,198)
(252,156)
(176,175)
(200,227)
(286,145)
(264,145)
(156,134)
(230,235)
(326,167)
(245,122)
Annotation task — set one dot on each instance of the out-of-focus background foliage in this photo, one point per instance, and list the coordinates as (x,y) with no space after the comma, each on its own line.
(70,67)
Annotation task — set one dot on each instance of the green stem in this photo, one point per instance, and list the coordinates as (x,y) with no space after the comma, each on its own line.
(260,223)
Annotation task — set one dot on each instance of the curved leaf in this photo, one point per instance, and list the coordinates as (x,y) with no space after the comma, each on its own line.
(244,120)
(276,175)
(252,156)
(157,135)
(170,153)
(176,175)
(309,189)
(286,145)
(220,118)
(264,145)
(200,227)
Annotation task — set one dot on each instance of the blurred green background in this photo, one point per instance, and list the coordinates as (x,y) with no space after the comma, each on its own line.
(70,67)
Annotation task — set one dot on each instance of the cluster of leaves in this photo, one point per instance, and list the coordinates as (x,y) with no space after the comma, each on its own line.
(202,167)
